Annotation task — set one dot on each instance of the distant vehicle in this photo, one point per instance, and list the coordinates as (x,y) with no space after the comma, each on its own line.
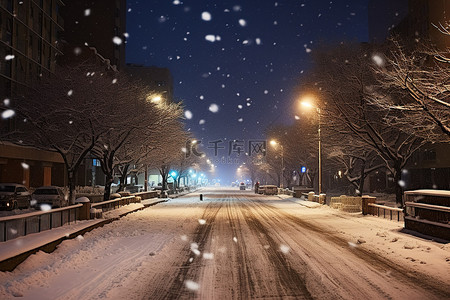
(14,196)
(137,188)
(242,186)
(51,195)
(270,190)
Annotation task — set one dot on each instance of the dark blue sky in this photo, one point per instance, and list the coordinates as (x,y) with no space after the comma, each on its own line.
(251,72)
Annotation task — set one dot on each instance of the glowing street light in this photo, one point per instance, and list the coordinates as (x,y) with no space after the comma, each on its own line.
(156,99)
(274,143)
(306,103)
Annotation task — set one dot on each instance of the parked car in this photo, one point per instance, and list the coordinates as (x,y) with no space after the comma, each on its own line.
(14,196)
(242,186)
(134,188)
(51,195)
(270,190)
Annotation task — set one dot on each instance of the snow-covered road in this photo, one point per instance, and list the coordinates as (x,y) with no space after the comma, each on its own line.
(237,245)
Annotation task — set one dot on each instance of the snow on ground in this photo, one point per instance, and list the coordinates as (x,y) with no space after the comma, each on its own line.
(381,236)
(117,260)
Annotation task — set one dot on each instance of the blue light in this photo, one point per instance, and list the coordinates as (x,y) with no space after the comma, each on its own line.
(173,174)
(303,169)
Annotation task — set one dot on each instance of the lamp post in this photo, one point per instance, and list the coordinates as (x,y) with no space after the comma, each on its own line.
(275,143)
(309,105)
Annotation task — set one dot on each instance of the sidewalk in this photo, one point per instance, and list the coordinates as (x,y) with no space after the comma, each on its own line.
(305,203)
(15,251)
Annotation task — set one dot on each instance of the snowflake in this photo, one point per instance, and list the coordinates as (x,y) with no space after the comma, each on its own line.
(212,38)
(285,249)
(191,285)
(206,16)
(46,207)
(87,12)
(213,108)
(379,61)
(242,22)
(117,40)
(9,113)
(188,114)
(208,255)
(9,57)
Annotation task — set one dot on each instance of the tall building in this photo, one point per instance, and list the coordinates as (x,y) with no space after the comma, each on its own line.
(29,42)
(100,24)
(383,16)
(29,46)
(414,20)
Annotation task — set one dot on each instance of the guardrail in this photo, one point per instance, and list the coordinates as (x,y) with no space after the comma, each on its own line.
(375,209)
(147,195)
(428,212)
(12,227)
(114,203)
(428,219)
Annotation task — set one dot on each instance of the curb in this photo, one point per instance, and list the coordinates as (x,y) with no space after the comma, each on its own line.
(8,265)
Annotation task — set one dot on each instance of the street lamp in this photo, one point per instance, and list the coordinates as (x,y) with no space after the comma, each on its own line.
(274,144)
(309,105)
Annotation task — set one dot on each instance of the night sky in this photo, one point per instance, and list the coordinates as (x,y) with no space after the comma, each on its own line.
(244,58)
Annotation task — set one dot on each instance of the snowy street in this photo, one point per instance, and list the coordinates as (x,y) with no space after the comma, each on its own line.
(237,245)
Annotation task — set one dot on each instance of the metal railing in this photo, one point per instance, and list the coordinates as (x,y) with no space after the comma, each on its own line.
(380,211)
(115,203)
(12,227)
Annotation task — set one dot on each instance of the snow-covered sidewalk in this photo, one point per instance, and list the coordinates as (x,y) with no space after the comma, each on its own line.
(34,242)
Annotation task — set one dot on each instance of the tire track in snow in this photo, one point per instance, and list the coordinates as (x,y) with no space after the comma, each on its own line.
(291,283)
(189,269)
(379,264)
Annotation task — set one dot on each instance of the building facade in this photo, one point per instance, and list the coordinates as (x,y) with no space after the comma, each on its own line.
(29,32)
(100,24)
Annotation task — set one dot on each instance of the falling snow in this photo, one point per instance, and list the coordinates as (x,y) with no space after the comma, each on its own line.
(214,108)
(9,113)
(191,285)
(206,16)
(117,40)
(242,22)
(188,114)
(379,61)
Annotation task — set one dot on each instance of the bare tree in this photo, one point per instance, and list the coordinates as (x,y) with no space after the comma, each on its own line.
(66,114)
(414,86)
(134,130)
(345,81)
(174,139)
